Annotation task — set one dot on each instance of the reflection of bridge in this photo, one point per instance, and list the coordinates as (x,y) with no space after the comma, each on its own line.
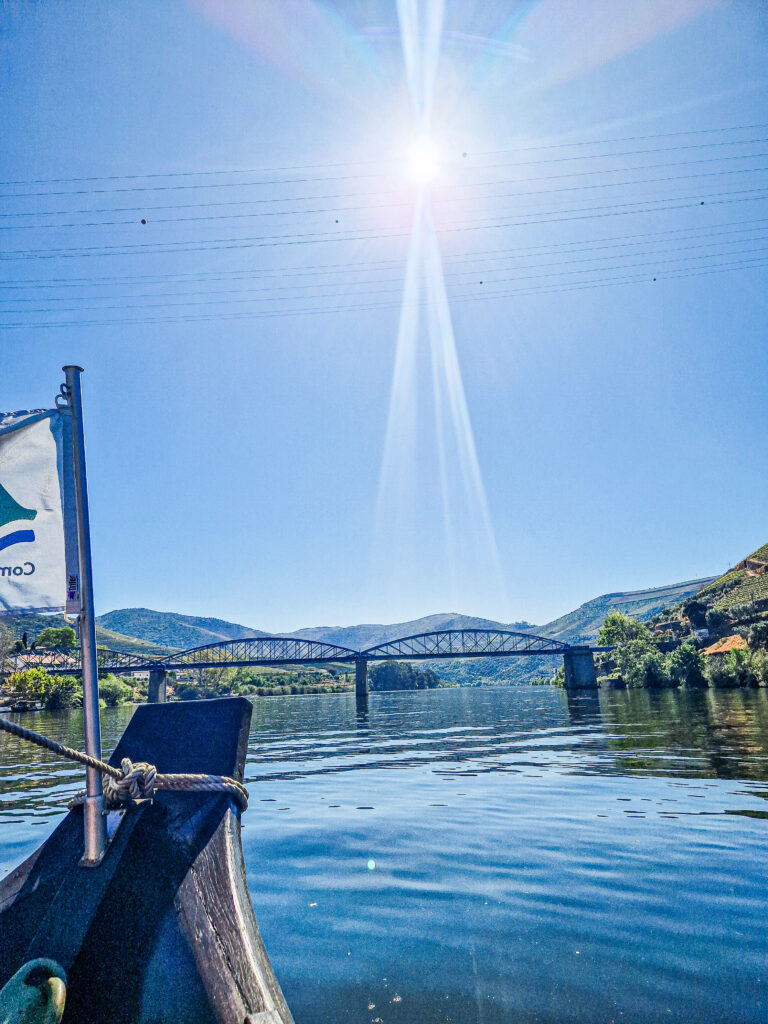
(272,650)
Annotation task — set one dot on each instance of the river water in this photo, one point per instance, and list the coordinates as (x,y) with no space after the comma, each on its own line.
(474,856)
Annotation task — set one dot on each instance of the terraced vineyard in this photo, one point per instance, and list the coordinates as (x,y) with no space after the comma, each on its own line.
(740,586)
(748,589)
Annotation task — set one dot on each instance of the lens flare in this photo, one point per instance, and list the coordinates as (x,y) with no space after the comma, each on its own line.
(430,471)
(423,163)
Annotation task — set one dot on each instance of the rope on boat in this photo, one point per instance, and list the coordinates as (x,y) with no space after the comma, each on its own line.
(133,779)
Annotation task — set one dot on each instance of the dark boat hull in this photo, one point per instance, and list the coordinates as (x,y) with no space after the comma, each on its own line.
(163,930)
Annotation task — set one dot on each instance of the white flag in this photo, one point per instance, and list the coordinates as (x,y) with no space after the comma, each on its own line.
(38,540)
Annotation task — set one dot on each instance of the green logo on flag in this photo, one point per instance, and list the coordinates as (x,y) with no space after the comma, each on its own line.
(11,510)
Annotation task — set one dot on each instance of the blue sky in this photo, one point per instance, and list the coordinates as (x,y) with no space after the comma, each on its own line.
(237,459)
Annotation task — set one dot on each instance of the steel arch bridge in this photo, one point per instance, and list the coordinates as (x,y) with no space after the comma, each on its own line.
(276,650)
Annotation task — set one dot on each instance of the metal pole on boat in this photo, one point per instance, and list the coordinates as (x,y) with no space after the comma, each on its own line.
(94,816)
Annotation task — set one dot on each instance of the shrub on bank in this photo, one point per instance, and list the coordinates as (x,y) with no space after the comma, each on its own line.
(401,675)
(737,668)
(759,663)
(53,692)
(114,691)
(686,667)
(649,670)
(758,634)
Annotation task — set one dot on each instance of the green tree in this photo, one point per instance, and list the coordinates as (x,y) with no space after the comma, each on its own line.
(696,611)
(114,691)
(401,675)
(728,672)
(618,629)
(758,634)
(648,670)
(686,667)
(717,620)
(53,692)
(55,636)
(759,662)
(631,653)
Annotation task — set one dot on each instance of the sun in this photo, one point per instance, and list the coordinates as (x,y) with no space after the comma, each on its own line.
(422,164)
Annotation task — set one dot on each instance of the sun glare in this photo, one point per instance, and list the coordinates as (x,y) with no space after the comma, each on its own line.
(423,163)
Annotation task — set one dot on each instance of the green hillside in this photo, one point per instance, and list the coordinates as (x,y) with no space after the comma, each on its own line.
(34,624)
(171,629)
(744,585)
(582,625)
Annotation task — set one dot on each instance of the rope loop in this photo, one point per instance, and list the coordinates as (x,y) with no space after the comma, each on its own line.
(137,782)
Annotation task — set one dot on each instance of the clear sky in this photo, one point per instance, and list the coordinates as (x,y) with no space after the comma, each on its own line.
(318,392)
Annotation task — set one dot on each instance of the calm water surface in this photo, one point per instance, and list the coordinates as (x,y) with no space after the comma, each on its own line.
(489,855)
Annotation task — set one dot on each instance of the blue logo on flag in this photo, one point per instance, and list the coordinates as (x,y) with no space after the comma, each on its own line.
(10,512)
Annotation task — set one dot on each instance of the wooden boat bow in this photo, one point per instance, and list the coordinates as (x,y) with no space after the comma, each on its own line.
(163,929)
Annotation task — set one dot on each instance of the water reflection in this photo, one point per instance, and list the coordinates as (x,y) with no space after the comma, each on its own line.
(361,710)
(717,733)
(583,707)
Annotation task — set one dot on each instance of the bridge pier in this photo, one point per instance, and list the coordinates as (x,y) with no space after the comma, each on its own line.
(361,677)
(157,686)
(580,671)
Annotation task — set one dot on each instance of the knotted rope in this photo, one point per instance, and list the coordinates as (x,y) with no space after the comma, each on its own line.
(133,780)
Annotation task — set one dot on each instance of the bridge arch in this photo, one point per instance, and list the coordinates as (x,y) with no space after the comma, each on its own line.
(464,643)
(262,650)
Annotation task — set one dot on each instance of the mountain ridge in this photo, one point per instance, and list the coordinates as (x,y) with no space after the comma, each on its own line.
(174,629)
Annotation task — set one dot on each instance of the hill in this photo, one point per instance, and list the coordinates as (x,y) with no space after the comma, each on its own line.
(582,625)
(171,629)
(34,624)
(745,584)
(369,635)
(733,601)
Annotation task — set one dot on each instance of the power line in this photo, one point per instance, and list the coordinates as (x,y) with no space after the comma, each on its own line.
(318,238)
(271,289)
(387,291)
(627,138)
(374,206)
(590,244)
(608,156)
(364,163)
(640,279)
